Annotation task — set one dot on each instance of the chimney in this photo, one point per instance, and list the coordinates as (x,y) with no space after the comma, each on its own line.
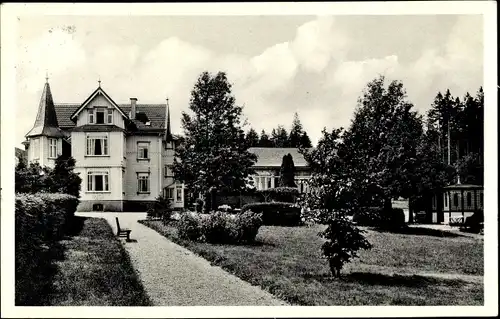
(133,109)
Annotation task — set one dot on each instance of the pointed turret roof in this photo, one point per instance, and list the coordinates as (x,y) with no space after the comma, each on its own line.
(168,133)
(46,119)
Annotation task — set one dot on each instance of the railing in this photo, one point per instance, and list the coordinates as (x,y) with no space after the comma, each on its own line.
(456,221)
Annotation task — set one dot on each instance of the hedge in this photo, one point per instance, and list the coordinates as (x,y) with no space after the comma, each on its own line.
(379,217)
(475,222)
(281,194)
(276,213)
(40,220)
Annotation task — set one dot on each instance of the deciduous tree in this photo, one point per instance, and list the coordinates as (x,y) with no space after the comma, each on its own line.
(214,156)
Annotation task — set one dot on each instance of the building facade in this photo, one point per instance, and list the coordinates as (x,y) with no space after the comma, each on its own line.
(123,152)
(267,168)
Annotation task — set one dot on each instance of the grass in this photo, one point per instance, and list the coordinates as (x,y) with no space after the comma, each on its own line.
(93,269)
(287,262)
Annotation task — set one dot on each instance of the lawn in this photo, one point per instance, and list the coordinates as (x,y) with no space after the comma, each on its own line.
(401,269)
(93,269)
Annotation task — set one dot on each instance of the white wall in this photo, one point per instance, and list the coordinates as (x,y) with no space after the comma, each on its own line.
(100,101)
(134,166)
(115,184)
(168,155)
(113,163)
(42,155)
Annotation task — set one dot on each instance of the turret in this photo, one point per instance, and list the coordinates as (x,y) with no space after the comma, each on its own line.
(44,140)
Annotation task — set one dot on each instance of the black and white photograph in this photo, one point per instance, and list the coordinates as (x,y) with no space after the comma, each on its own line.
(161,157)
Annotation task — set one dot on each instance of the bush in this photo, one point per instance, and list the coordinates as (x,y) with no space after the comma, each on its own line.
(161,208)
(276,213)
(378,217)
(61,179)
(220,227)
(343,240)
(368,216)
(393,219)
(248,224)
(475,222)
(189,226)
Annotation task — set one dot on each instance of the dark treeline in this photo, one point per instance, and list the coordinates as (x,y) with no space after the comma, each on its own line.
(280,137)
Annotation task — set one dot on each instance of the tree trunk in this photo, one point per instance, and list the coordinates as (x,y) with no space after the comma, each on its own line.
(387,204)
(334,268)
(206,207)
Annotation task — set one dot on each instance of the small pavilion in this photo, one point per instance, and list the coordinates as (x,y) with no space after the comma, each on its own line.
(459,202)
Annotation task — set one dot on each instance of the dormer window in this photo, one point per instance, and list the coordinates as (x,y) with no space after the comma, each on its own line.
(110,116)
(99,117)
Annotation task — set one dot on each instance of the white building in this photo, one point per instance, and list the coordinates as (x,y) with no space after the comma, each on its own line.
(267,168)
(123,152)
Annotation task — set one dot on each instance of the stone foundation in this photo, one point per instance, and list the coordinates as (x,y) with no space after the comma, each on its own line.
(107,205)
(114,206)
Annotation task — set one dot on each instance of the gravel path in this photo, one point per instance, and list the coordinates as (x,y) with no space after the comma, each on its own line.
(450,229)
(174,276)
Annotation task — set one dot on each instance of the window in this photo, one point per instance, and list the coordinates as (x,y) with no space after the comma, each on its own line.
(142,150)
(481,196)
(143,182)
(178,194)
(99,117)
(446,199)
(469,199)
(97,145)
(455,200)
(91,116)
(110,116)
(36,148)
(169,193)
(168,171)
(52,148)
(98,182)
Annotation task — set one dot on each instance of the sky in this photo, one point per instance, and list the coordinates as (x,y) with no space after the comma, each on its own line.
(316,66)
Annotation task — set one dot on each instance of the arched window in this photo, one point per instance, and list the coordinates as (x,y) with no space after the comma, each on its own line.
(469,199)
(455,200)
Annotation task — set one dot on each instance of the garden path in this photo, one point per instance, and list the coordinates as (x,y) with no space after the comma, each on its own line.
(174,276)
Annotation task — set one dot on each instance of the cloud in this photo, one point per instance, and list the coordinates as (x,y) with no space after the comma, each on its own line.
(310,73)
(352,76)
(317,42)
(56,51)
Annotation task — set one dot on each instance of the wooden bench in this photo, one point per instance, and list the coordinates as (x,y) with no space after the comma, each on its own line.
(122,232)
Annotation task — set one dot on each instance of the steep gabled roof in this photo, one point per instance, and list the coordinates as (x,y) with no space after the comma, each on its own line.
(273,156)
(46,119)
(168,133)
(154,112)
(98,91)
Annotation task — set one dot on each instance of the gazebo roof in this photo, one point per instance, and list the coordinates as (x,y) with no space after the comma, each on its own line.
(464,186)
